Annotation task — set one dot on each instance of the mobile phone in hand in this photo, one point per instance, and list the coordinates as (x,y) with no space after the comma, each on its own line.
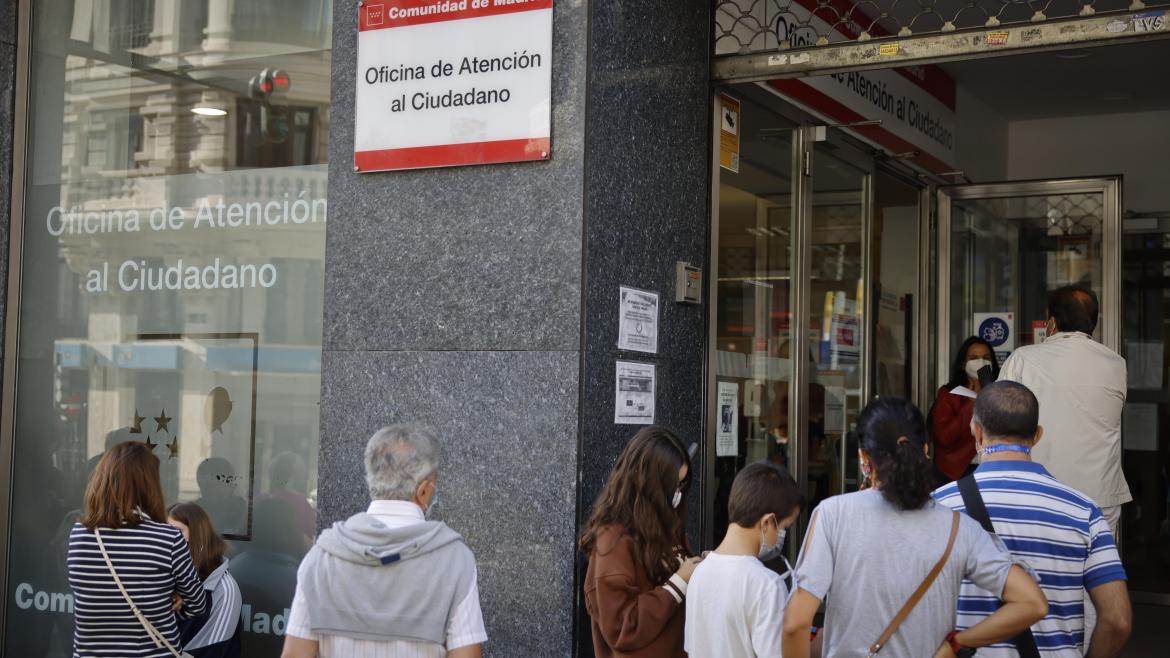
(985,376)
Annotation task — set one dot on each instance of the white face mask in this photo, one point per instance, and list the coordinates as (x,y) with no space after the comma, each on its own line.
(674,502)
(974,366)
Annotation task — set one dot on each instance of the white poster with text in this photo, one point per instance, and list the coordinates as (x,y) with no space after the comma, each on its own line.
(727,434)
(634,399)
(444,83)
(638,320)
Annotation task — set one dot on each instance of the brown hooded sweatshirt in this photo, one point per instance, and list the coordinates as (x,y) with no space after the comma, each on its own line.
(632,617)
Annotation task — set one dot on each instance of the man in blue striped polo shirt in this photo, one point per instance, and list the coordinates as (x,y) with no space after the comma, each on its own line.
(1053,528)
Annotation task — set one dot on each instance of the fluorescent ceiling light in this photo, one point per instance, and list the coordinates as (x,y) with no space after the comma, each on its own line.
(209,111)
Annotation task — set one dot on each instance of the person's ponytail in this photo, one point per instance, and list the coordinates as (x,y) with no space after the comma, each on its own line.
(893,435)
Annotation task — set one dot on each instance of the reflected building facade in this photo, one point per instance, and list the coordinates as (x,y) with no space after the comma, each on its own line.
(174,239)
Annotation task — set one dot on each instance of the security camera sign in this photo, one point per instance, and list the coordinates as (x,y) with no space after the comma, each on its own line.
(445,83)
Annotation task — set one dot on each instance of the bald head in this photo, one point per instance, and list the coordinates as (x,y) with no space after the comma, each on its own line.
(1007,411)
(1074,308)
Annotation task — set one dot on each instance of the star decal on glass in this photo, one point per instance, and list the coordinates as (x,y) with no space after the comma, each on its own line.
(136,426)
(163,422)
(173,446)
(150,444)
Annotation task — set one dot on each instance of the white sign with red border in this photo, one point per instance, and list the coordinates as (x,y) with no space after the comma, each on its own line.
(443,83)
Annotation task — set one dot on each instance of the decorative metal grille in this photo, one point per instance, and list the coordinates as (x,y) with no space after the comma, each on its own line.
(753,26)
(1057,215)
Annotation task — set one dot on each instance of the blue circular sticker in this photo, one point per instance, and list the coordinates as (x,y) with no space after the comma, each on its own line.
(995,331)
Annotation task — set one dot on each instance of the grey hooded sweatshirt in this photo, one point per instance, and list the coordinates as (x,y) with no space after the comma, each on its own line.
(366,581)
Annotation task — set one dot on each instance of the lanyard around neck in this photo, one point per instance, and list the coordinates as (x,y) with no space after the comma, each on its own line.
(1006,447)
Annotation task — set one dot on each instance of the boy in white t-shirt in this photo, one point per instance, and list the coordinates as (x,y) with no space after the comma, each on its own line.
(735,604)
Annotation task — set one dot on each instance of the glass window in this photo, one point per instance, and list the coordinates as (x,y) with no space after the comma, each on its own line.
(1145,536)
(172,282)
(895,231)
(753,304)
(836,325)
(1007,253)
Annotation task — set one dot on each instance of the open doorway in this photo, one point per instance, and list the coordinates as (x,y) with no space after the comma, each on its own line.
(1078,114)
(1044,119)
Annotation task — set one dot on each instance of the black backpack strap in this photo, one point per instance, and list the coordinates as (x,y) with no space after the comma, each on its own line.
(973,501)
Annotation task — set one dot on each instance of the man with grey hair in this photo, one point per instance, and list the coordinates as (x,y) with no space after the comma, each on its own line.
(388,582)
(1053,528)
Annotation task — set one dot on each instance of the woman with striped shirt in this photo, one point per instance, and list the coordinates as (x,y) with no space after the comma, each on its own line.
(216,635)
(150,559)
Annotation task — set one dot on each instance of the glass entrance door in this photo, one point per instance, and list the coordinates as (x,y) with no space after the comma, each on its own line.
(808,233)
(857,276)
(1003,247)
(1145,435)
(839,221)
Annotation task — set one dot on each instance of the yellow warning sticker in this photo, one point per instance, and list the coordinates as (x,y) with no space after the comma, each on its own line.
(729,133)
(889,49)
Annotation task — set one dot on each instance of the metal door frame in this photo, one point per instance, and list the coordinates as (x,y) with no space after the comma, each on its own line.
(11,353)
(805,140)
(1108,187)
(1099,29)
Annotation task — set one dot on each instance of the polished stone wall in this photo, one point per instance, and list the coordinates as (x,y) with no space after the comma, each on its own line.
(483,302)
(647,206)
(453,298)
(7,107)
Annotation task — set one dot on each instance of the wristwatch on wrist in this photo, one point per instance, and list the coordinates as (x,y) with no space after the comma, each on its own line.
(960,650)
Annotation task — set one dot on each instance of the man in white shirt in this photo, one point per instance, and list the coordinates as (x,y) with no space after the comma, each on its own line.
(388,583)
(735,604)
(1081,386)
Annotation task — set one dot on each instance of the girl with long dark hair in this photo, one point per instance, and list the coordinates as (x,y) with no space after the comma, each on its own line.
(216,635)
(872,552)
(639,560)
(950,417)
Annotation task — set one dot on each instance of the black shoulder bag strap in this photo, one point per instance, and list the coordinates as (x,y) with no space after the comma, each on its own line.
(973,501)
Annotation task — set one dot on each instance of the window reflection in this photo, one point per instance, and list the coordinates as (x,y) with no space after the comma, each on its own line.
(753,311)
(172,283)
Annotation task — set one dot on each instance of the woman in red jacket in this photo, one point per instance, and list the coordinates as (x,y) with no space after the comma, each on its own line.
(950,423)
(639,561)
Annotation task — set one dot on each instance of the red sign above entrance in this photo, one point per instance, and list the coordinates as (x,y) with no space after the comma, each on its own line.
(916,105)
(383,14)
(445,83)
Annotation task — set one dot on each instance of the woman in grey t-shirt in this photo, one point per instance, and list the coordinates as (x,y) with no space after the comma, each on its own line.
(867,552)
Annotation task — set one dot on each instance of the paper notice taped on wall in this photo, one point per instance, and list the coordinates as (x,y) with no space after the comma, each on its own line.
(634,399)
(638,320)
(1139,427)
(1144,364)
(727,431)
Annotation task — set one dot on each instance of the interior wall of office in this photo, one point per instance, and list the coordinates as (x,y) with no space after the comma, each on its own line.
(1133,144)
